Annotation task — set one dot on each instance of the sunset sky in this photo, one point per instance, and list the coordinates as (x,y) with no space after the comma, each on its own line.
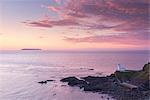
(74,24)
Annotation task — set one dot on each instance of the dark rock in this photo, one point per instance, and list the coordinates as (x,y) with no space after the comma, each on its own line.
(73,81)
(45,82)
(92,87)
(42,82)
(49,80)
(91,69)
(145,86)
(68,79)
(97,83)
(79,83)
(95,79)
(112,76)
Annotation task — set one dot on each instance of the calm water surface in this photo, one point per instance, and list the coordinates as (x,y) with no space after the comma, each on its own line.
(21,70)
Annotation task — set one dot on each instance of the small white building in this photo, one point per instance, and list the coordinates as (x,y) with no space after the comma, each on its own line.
(121,68)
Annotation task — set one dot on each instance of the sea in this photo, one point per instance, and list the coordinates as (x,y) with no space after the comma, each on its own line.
(21,70)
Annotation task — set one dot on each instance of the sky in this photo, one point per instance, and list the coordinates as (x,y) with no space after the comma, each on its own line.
(74,24)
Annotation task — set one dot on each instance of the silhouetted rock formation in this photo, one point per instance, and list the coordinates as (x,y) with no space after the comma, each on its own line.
(42,82)
(73,81)
(45,82)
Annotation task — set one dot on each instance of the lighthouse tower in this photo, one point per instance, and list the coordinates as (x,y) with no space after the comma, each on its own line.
(121,68)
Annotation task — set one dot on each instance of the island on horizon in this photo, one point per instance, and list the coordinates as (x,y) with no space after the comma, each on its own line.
(30,49)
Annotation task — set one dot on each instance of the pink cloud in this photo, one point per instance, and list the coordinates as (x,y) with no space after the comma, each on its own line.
(127,39)
(119,11)
(129,18)
(54,9)
(51,23)
(41,23)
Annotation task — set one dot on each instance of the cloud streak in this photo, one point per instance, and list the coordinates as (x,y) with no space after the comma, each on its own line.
(52,23)
(127,39)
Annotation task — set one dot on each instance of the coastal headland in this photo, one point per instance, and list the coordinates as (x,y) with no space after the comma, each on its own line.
(127,85)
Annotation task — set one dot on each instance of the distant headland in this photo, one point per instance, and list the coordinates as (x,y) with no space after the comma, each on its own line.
(30,49)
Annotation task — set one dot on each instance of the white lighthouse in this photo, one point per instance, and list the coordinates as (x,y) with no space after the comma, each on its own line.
(121,68)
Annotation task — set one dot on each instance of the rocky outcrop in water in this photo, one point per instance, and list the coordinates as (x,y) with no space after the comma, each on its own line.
(45,82)
(110,84)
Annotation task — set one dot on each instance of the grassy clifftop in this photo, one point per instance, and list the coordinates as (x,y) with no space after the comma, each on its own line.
(138,76)
(144,74)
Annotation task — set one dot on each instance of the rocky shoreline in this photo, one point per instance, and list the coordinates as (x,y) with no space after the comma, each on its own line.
(110,85)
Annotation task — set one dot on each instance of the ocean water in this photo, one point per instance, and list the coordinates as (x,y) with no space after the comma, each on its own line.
(20,72)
